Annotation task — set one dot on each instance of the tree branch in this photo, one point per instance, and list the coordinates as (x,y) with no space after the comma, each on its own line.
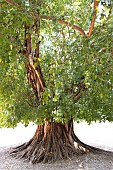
(10,2)
(96,3)
(75,27)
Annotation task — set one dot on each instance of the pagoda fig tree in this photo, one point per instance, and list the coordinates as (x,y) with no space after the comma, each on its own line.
(56,65)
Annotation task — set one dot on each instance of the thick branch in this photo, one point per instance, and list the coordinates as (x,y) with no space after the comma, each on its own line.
(75,27)
(96,3)
(10,2)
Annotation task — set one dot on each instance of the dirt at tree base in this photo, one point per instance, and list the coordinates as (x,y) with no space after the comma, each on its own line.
(87,161)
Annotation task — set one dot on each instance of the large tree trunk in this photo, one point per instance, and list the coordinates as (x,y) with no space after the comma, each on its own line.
(52,141)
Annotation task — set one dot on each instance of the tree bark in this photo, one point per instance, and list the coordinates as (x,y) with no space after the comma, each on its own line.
(51,142)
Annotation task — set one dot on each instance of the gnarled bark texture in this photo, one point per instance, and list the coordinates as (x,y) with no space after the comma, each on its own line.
(52,141)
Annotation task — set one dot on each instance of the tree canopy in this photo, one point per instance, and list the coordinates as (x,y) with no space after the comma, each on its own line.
(76,59)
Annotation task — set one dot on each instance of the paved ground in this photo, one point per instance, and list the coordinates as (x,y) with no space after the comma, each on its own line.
(85,162)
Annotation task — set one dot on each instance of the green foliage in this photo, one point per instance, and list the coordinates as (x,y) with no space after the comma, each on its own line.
(67,59)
